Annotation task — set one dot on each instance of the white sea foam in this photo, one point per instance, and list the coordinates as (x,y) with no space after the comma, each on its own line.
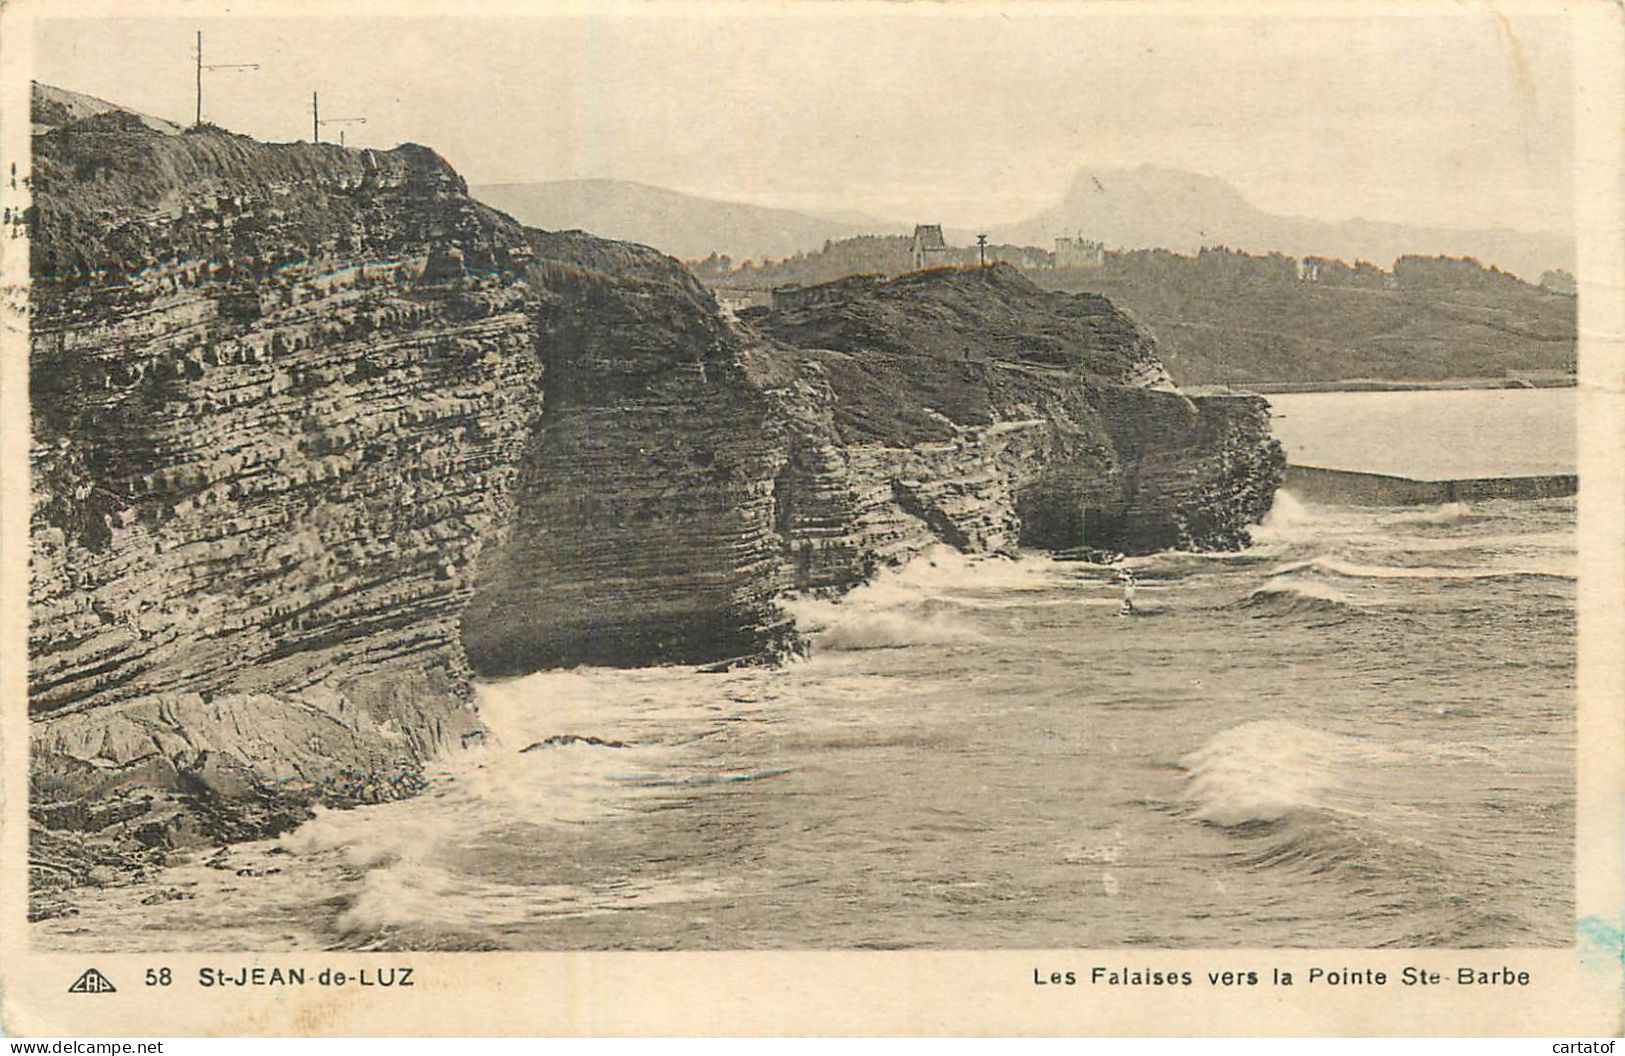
(912,605)
(1357,570)
(1448,513)
(902,768)
(414,897)
(1288,512)
(1286,594)
(894,630)
(1264,770)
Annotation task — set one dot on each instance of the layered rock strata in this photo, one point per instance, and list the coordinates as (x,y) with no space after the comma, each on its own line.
(316,437)
(971,407)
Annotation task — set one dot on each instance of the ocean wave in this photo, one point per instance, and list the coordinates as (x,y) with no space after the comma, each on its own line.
(1263,770)
(1288,512)
(407,904)
(361,838)
(1293,520)
(1448,513)
(565,749)
(1294,597)
(894,630)
(1539,542)
(1311,801)
(1357,570)
(915,604)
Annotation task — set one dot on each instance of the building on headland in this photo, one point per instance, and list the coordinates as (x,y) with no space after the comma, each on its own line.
(1079,252)
(1309,269)
(928,249)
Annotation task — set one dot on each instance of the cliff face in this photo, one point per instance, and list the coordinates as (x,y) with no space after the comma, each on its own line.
(316,436)
(311,430)
(973,408)
(644,524)
(274,421)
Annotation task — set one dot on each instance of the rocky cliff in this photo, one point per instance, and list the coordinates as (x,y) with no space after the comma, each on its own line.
(971,407)
(316,437)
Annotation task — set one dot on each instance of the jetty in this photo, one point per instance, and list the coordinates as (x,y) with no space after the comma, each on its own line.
(1421,448)
(1346,487)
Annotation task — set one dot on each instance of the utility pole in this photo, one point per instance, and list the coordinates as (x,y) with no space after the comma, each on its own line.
(201,66)
(981,248)
(317,121)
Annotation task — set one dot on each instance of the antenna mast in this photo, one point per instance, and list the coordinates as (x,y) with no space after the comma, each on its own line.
(201,66)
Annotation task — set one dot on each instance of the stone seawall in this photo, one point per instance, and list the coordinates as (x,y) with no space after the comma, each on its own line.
(1350,488)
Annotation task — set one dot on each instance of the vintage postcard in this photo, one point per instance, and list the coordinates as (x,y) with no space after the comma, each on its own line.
(833,518)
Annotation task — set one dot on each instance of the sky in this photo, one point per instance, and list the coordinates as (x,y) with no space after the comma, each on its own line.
(973,114)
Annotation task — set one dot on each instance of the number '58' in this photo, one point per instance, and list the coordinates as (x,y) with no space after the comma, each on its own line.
(157,976)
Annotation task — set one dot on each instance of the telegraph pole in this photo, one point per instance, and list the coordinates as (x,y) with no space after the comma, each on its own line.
(981,248)
(201,66)
(317,121)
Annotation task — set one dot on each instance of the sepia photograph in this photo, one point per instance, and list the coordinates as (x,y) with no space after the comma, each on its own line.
(839,477)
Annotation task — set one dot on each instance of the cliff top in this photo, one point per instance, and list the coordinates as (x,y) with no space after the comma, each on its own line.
(993,314)
(917,356)
(117,197)
(55,107)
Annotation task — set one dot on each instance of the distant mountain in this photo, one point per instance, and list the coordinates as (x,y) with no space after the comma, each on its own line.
(1149,207)
(686,226)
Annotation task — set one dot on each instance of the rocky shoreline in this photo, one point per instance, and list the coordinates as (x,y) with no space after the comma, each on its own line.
(317,438)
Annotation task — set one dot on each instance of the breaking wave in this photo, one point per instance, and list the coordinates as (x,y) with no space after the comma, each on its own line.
(1303,799)
(1318,804)
(1263,771)
(1356,570)
(1449,513)
(1300,597)
(1286,513)
(1292,520)
(894,630)
(465,864)
(914,605)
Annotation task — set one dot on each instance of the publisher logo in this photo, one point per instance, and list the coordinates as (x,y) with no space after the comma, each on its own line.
(92,982)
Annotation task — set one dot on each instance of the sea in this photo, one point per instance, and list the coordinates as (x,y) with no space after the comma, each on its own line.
(1358,732)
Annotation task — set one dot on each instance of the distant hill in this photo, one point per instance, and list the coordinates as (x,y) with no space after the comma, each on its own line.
(1228,317)
(1232,318)
(1151,208)
(683,225)
(1143,208)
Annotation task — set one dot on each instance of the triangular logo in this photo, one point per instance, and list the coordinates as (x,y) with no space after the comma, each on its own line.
(92,982)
